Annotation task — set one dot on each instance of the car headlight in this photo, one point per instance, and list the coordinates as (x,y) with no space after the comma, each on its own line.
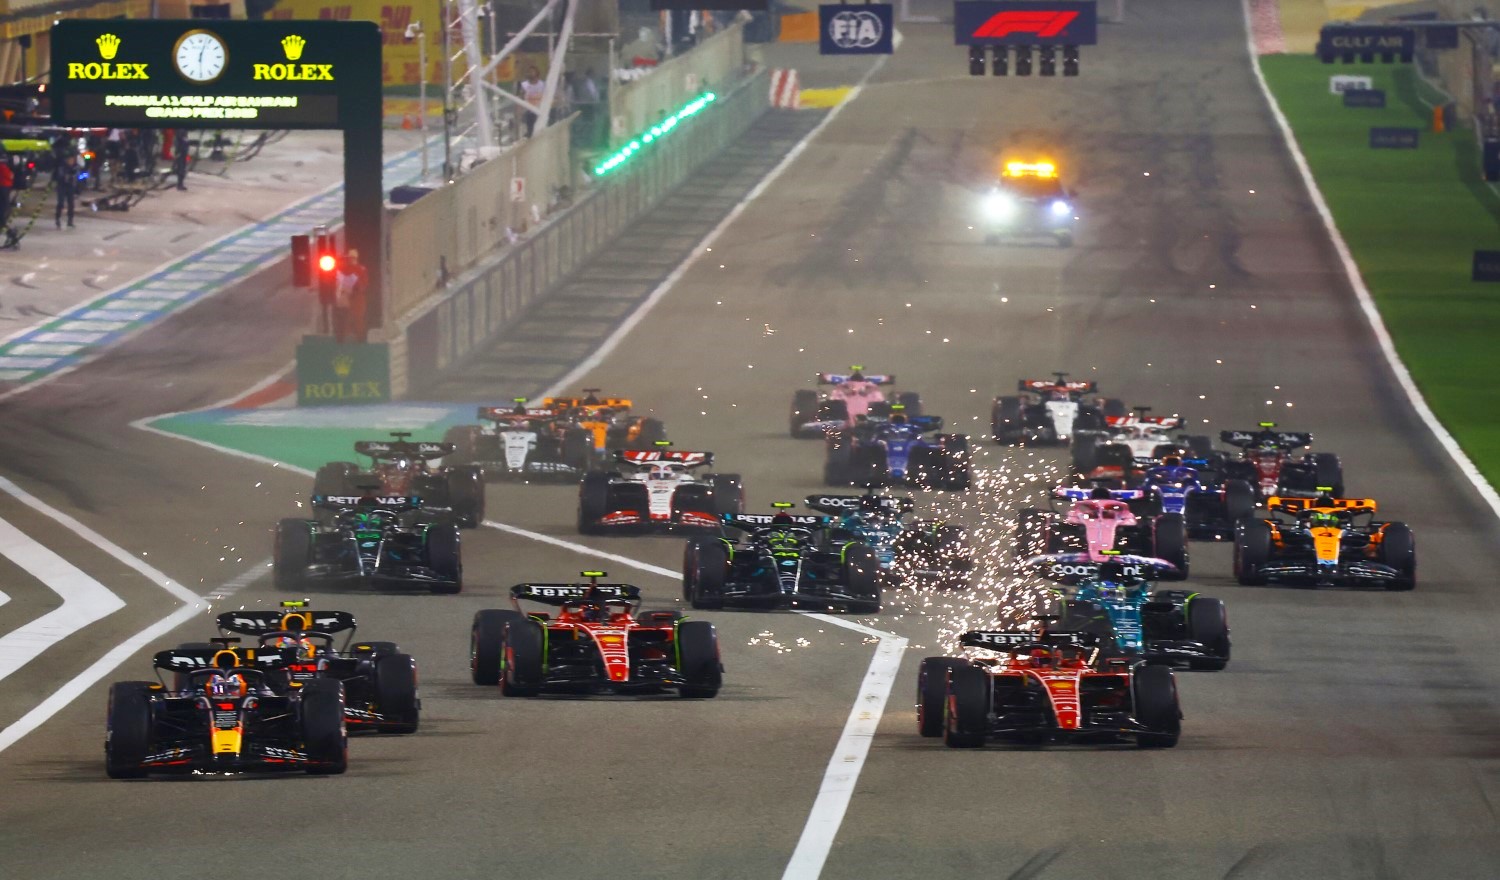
(1061,208)
(999,206)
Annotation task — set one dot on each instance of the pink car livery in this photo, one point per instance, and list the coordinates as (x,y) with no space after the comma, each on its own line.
(854,396)
(1099,525)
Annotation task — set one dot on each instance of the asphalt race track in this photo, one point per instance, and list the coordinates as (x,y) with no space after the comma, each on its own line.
(1353,735)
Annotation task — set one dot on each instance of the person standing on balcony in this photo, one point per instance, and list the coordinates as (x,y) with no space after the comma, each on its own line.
(532,88)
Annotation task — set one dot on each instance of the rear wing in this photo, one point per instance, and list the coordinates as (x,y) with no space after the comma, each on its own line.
(751,521)
(1020,642)
(596,403)
(381,502)
(1284,439)
(1133,419)
(1075,568)
(1079,493)
(670,456)
(193,659)
(508,413)
(850,503)
(1299,505)
(841,378)
(1040,385)
(379,449)
(563,594)
(254,623)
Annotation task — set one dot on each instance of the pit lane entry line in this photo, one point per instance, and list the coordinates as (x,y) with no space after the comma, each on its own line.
(853,746)
(1357,281)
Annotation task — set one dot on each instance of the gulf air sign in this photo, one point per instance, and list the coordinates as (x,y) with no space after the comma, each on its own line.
(1025,23)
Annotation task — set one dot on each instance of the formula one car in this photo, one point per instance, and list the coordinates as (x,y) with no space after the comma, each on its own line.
(782,560)
(224,717)
(1267,462)
(659,493)
(1114,600)
(1030,688)
(400,467)
(522,442)
(920,551)
(1325,541)
(381,541)
(599,642)
(1099,520)
(1029,201)
(1128,444)
(1050,411)
(380,682)
(1209,512)
(855,395)
(609,420)
(896,451)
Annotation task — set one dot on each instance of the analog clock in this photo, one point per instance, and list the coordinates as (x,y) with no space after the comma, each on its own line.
(200,56)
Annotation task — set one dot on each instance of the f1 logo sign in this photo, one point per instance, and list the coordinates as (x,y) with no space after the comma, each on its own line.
(1025,23)
(1042,24)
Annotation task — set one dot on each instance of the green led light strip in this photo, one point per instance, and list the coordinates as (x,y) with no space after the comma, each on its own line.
(656,133)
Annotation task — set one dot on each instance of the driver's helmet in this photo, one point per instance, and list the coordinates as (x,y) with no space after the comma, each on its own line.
(856,376)
(366,522)
(1040,659)
(1322,519)
(226,686)
(591,399)
(1171,461)
(782,519)
(519,409)
(1059,393)
(898,418)
(593,613)
(661,473)
(1100,493)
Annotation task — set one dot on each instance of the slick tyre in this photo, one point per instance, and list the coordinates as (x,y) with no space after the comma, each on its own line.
(932,692)
(967,711)
(466,495)
(487,643)
(862,575)
(838,467)
(729,493)
(291,554)
(578,449)
(465,440)
(593,502)
(1208,624)
(705,565)
(522,659)
(804,410)
(697,653)
(1007,420)
(1239,500)
(1398,549)
(396,693)
(650,432)
(443,557)
(127,735)
(336,478)
(1171,544)
(868,466)
(321,717)
(1031,535)
(1252,550)
(1085,454)
(1328,471)
(912,403)
(1154,689)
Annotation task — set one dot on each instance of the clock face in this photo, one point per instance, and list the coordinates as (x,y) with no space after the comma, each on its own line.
(200,56)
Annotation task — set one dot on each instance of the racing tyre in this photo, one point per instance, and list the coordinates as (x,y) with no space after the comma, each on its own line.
(396,693)
(925,467)
(1155,691)
(956,471)
(1007,420)
(966,716)
(1171,544)
(127,736)
(698,660)
(465,440)
(466,495)
(693,498)
(1398,549)
(650,432)
(444,559)
(292,552)
(487,643)
(729,493)
(1031,538)
(838,467)
(1114,408)
(703,581)
(1239,500)
(1208,624)
(868,466)
(932,692)
(593,502)
(1252,549)
(578,449)
(1085,453)
(911,401)
(336,478)
(322,722)
(833,411)
(521,673)
(1199,445)
(804,410)
(1328,471)
(862,575)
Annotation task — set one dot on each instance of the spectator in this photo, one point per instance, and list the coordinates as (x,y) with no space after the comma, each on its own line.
(532,88)
(180,156)
(7,186)
(354,282)
(65,181)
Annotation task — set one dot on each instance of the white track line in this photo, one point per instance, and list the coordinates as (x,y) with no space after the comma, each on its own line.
(1361,292)
(84,600)
(614,339)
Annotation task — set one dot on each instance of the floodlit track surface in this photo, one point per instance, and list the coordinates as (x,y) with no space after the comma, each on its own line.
(1352,736)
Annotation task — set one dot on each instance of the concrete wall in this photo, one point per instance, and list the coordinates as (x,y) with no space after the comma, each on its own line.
(638,105)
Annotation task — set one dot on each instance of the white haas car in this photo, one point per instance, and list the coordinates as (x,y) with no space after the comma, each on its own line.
(1134,441)
(657,490)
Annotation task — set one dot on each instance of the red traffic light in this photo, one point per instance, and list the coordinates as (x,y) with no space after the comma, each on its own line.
(327,263)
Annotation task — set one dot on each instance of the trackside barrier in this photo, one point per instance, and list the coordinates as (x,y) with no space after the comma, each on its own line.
(482,304)
(637,105)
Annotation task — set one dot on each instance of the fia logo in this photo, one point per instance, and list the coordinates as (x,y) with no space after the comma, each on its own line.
(855,30)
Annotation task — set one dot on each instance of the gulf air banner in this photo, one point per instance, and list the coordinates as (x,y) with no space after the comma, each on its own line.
(400,58)
(1025,23)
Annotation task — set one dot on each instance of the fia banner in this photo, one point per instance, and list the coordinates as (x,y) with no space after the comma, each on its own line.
(864,29)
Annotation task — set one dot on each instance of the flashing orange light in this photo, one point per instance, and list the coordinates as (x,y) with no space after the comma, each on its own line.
(327,263)
(1030,169)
